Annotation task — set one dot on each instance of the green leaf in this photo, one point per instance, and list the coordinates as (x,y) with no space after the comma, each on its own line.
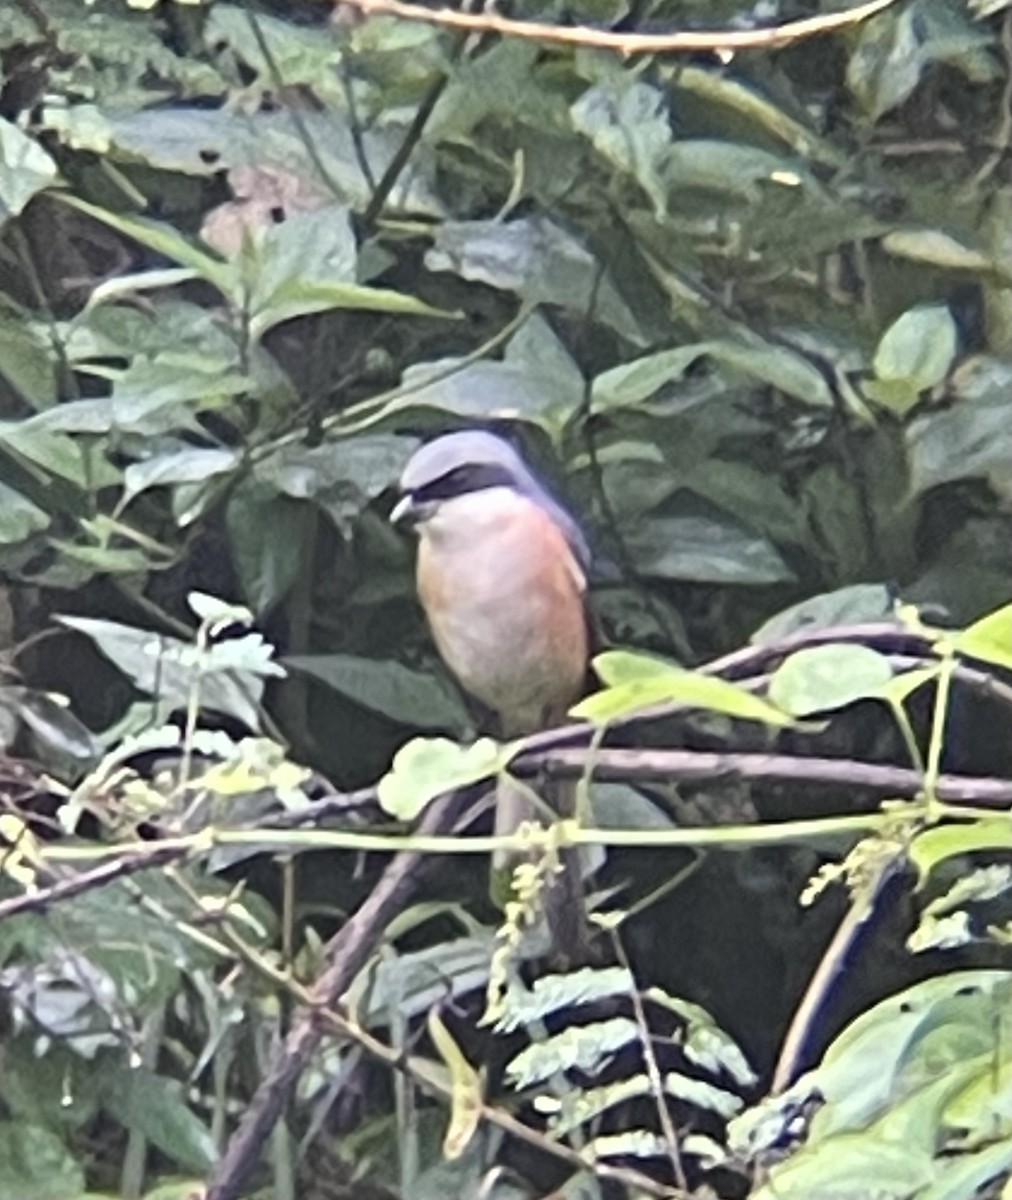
(342,476)
(716,87)
(425,768)
(35,1165)
(19,517)
(631,383)
(934,846)
(538,260)
(299,54)
(536,380)
(419,698)
(989,639)
(893,51)
(940,249)
(661,684)
(583,1106)
(267,535)
(823,678)
(972,437)
(845,606)
(160,237)
(630,1143)
(34,442)
(408,985)
(730,168)
(701,1094)
(155,1106)
(916,351)
(54,728)
(582,1047)
(704,546)
(901,1050)
(628,125)
(202,142)
(306,264)
(26,359)
(525,1007)
(886,63)
(25,170)
(705,1043)
(963,1177)
(192,464)
(231,672)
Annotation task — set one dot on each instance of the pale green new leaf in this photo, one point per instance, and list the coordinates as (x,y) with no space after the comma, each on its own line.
(25,170)
(425,768)
(823,678)
(583,1047)
(550,993)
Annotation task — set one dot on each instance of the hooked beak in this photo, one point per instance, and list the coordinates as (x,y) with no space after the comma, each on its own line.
(405,513)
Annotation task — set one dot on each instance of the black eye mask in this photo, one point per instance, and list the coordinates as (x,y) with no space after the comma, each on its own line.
(472,477)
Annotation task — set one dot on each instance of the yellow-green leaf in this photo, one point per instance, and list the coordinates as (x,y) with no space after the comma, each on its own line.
(642,682)
(989,639)
(933,846)
(465,1089)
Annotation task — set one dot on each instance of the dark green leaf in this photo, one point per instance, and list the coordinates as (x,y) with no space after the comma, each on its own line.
(537,259)
(705,547)
(628,124)
(419,698)
(156,1107)
(973,436)
(268,541)
(19,517)
(35,1165)
(846,606)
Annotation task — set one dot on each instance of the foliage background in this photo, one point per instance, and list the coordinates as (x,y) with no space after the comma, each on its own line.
(750,313)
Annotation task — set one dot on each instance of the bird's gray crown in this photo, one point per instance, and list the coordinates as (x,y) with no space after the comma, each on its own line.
(473,460)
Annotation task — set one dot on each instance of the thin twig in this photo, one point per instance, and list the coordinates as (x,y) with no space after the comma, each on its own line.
(652,1069)
(301,128)
(89,881)
(627,43)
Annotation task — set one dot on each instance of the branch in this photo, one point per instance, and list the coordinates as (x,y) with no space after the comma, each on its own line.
(626,43)
(688,765)
(346,952)
(87,881)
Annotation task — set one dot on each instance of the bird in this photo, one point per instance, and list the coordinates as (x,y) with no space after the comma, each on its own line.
(501,574)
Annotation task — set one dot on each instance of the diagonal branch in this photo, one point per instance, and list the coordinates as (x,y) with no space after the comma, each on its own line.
(346,953)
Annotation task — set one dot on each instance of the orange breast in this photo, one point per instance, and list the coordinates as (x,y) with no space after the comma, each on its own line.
(503,596)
